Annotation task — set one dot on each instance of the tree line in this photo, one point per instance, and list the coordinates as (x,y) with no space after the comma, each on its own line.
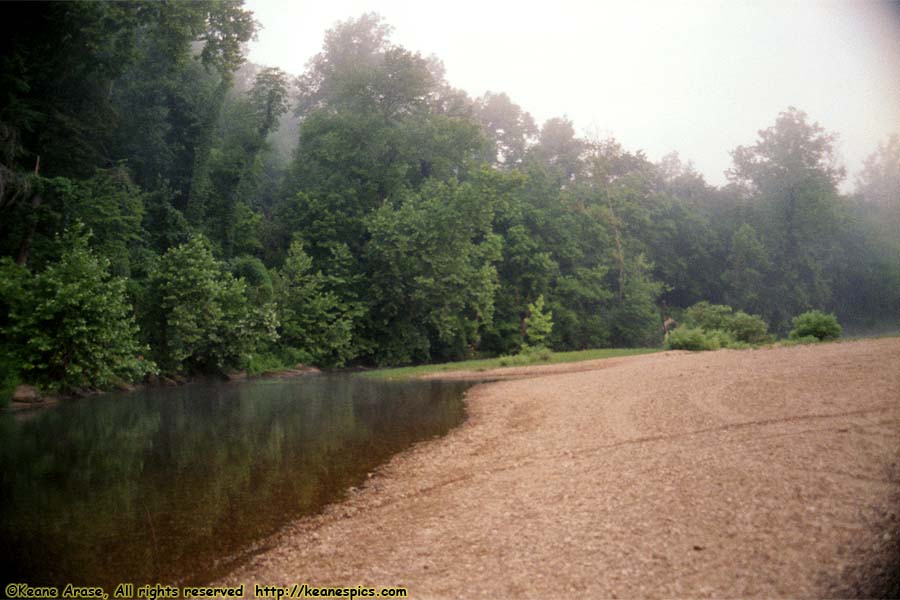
(170,208)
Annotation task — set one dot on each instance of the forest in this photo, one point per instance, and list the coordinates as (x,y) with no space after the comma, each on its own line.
(169,208)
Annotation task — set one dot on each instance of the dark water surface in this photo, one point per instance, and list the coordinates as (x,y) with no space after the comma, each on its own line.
(175,485)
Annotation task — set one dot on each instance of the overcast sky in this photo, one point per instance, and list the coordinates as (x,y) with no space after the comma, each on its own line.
(699,78)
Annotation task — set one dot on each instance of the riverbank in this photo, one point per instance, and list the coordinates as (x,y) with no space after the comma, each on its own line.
(771,472)
(28,398)
(503,367)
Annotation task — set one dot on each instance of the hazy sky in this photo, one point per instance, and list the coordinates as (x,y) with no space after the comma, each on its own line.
(698,77)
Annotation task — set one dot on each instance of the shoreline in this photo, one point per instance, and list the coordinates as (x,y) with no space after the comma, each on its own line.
(658,475)
(51,400)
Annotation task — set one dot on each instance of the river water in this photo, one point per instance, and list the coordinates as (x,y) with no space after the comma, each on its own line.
(179,485)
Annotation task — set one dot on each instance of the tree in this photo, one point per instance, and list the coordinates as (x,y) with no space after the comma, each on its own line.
(370,131)
(71,324)
(538,323)
(868,290)
(747,278)
(791,175)
(202,321)
(112,207)
(558,148)
(431,273)
(635,320)
(510,129)
(879,181)
(236,163)
(313,319)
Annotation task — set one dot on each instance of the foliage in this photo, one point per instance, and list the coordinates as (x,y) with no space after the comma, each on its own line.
(369,213)
(313,319)
(693,338)
(484,364)
(742,327)
(635,318)
(203,320)
(112,207)
(528,355)
(538,323)
(800,341)
(708,316)
(749,269)
(260,363)
(750,329)
(817,324)
(10,375)
(431,270)
(71,324)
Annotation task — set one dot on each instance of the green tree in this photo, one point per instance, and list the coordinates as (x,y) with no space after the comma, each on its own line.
(538,323)
(868,295)
(746,280)
(432,276)
(71,324)
(510,129)
(560,149)
(202,319)
(313,319)
(791,176)
(635,320)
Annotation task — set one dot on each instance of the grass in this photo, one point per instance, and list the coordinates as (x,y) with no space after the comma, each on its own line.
(499,362)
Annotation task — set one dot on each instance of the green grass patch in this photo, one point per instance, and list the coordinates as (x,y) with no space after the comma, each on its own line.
(506,361)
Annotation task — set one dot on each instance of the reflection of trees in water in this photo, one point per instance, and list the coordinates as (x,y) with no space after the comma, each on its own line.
(163,483)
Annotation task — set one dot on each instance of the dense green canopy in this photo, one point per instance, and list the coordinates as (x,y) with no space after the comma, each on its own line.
(368,212)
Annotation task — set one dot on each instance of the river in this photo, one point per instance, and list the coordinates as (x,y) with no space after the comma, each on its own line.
(181,484)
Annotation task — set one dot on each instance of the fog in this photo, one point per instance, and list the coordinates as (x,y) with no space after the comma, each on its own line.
(698,78)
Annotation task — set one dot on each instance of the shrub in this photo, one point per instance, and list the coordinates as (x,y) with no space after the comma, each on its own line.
(528,355)
(817,324)
(721,338)
(71,326)
(740,326)
(708,316)
(692,338)
(537,353)
(806,339)
(749,328)
(739,345)
(264,362)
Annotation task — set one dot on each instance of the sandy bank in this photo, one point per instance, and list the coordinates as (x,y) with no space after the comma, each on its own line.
(770,472)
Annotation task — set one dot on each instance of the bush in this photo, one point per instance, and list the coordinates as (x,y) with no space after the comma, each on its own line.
(817,324)
(741,328)
(259,363)
(693,338)
(722,338)
(739,345)
(528,355)
(750,329)
(708,316)
(71,326)
(806,339)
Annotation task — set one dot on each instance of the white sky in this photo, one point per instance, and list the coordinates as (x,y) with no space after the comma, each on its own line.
(699,77)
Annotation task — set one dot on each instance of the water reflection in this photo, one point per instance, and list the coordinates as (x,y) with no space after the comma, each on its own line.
(174,484)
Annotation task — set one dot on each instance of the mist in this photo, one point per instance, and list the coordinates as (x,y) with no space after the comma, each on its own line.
(697,78)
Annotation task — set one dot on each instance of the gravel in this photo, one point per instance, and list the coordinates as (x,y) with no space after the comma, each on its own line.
(771,472)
